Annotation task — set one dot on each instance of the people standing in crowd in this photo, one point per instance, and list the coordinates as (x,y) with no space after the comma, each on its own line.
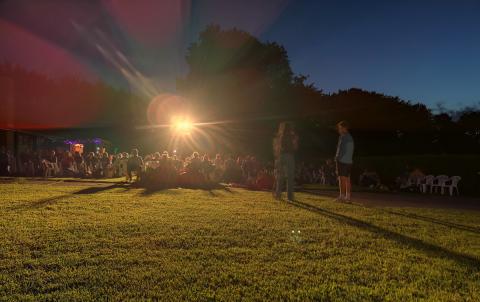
(3,162)
(48,164)
(12,163)
(218,162)
(90,163)
(206,167)
(116,165)
(232,172)
(108,169)
(195,164)
(285,145)
(219,168)
(123,164)
(79,164)
(67,164)
(53,159)
(104,163)
(134,165)
(26,163)
(344,160)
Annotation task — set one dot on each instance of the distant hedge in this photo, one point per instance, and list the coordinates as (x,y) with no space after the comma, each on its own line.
(388,168)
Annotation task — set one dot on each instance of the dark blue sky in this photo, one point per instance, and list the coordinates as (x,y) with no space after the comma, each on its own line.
(426,51)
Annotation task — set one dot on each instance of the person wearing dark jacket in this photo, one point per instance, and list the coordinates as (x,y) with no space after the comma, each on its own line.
(285,145)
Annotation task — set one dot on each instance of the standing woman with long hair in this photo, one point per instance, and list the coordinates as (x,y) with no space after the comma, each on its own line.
(285,144)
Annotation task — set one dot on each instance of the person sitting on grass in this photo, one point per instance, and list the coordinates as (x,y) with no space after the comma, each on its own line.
(192,176)
(265,180)
(134,164)
(207,167)
(79,163)
(68,164)
(330,172)
(369,179)
(344,159)
(232,172)
(167,172)
(91,163)
(177,163)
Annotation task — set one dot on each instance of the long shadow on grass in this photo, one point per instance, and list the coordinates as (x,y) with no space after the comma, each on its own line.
(420,217)
(52,200)
(452,225)
(39,203)
(426,247)
(98,189)
(150,189)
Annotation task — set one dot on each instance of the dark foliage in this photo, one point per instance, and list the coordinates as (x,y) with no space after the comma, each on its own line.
(234,75)
(32,100)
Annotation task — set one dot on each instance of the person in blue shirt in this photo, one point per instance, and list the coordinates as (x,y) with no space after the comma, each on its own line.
(344,160)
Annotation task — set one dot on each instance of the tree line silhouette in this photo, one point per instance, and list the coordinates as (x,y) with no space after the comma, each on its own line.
(34,100)
(234,76)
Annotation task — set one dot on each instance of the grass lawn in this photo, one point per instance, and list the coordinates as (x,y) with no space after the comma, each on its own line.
(80,241)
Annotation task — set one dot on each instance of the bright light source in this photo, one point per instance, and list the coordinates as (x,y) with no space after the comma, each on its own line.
(182,125)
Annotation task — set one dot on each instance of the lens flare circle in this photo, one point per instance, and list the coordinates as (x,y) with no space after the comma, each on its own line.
(164,106)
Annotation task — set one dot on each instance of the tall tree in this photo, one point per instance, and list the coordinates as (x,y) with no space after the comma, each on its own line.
(232,74)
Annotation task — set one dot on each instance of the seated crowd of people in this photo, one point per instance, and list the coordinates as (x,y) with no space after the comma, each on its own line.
(48,163)
(157,168)
(197,170)
(324,174)
(172,170)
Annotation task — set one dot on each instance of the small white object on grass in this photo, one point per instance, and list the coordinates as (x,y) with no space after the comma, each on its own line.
(296,236)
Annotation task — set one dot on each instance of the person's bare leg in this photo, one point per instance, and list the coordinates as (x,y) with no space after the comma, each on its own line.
(348,188)
(341,186)
(279,181)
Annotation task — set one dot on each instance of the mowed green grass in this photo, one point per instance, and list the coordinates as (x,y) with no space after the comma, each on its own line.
(73,242)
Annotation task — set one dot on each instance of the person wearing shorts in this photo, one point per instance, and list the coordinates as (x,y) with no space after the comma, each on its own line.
(343,169)
(344,160)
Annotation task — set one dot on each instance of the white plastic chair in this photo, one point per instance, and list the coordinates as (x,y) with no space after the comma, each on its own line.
(427,183)
(452,185)
(438,183)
